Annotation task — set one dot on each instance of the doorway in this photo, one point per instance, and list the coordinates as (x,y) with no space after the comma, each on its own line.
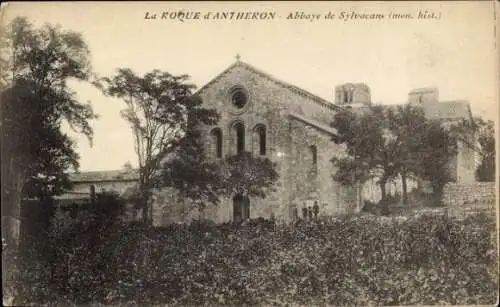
(241,208)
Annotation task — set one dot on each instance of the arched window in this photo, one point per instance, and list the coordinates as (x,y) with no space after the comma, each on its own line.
(314,154)
(239,134)
(217,142)
(260,145)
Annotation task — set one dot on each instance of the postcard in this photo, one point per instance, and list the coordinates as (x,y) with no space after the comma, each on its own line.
(249,153)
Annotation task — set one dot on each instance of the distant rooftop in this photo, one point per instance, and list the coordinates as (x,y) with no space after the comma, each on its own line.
(456,109)
(423,89)
(114,175)
(443,110)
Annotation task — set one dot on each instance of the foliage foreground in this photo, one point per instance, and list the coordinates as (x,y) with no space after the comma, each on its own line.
(362,260)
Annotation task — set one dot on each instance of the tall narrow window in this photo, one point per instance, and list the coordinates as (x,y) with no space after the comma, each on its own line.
(239,130)
(262,139)
(92,192)
(260,145)
(314,154)
(217,142)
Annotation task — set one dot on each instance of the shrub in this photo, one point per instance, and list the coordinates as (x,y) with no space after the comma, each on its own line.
(363,260)
(70,264)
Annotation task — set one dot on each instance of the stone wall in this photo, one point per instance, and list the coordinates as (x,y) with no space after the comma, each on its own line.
(119,186)
(463,198)
(73,205)
(371,190)
(466,165)
(309,182)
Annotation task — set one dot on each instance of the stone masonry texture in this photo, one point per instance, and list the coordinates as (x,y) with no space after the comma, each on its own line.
(464,198)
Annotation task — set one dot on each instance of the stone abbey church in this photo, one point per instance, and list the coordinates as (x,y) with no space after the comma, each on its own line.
(291,127)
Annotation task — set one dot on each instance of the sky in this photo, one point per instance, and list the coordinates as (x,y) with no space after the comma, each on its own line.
(454,52)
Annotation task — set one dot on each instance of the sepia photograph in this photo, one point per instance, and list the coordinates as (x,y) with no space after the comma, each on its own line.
(249,153)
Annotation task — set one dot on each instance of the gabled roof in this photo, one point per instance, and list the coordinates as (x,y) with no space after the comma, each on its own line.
(98,176)
(293,88)
(314,124)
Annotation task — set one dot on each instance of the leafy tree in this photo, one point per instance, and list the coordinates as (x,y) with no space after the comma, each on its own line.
(370,146)
(190,173)
(437,146)
(5,65)
(128,166)
(384,142)
(161,110)
(408,126)
(35,152)
(247,175)
(36,100)
(105,210)
(479,136)
(204,181)
(486,139)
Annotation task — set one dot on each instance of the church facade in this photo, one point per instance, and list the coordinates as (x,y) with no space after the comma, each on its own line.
(287,125)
